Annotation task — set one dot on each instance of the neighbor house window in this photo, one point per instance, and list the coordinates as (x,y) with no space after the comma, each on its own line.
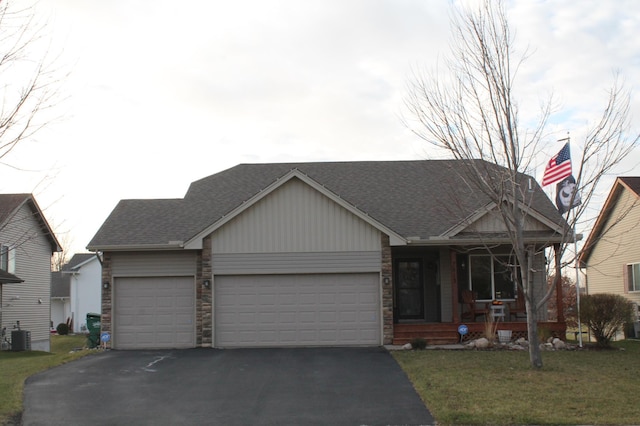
(7,259)
(633,277)
(491,277)
(4,257)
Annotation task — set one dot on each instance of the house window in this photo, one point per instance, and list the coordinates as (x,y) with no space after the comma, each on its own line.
(7,259)
(633,277)
(4,257)
(491,277)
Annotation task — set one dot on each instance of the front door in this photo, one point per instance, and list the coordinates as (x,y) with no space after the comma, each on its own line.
(409,289)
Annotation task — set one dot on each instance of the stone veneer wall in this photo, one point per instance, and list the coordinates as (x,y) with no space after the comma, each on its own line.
(387,291)
(205,296)
(107,277)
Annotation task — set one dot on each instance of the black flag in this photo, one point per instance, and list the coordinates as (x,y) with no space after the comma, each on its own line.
(566,190)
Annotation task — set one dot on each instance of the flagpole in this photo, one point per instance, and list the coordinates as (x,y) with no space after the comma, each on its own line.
(575,242)
(576,263)
(557,169)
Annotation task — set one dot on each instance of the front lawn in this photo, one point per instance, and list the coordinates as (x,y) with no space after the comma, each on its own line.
(499,387)
(17,366)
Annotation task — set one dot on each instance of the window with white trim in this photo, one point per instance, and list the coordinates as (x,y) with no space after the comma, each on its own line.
(633,277)
(7,259)
(491,277)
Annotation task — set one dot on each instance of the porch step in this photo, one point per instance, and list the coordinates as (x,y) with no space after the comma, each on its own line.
(434,334)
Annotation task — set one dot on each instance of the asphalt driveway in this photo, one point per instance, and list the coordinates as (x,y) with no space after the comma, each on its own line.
(303,386)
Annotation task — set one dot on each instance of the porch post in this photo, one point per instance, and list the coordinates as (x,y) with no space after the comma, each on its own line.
(453,265)
(558,283)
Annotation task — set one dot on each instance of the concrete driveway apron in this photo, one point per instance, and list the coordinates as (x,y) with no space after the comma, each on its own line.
(302,386)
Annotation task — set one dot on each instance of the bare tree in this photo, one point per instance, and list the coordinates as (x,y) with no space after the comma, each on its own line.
(469,112)
(28,79)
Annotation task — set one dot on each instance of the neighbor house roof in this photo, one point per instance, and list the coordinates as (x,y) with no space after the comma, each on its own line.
(8,278)
(414,199)
(78,260)
(631,184)
(11,203)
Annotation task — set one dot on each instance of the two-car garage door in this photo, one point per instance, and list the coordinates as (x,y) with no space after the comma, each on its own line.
(297,310)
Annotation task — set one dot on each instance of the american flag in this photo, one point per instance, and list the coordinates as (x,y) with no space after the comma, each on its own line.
(558,168)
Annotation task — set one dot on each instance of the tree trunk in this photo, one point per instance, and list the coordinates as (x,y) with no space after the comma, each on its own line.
(535,357)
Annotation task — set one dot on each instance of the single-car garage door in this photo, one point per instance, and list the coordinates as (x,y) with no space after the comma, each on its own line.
(297,310)
(154,312)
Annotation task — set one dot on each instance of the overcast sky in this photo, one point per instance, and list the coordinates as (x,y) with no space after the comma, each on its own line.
(162,93)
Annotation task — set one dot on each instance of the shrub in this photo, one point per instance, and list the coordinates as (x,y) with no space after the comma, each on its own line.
(418,343)
(605,315)
(62,329)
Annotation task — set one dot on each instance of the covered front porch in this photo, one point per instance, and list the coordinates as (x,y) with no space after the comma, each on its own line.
(430,289)
(447,333)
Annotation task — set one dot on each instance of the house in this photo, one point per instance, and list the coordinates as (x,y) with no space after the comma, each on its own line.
(84,273)
(26,246)
(611,254)
(311,254)
(60,299)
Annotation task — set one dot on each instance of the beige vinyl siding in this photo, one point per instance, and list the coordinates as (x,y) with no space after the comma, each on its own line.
(161,263)
(28,302)
(493,222)
(617,248)
(296,218)
(296,263)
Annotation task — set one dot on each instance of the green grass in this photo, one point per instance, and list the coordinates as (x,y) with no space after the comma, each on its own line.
(499,387)
(17,366)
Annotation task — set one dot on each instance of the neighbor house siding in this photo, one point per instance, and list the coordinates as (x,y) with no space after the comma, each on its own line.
(296,218)
(85,293)
(28,302)
(616,248)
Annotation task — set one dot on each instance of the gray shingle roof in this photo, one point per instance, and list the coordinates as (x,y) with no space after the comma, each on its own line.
(77,259)
(7,278)
(60,284)
(413,198)
(633,182)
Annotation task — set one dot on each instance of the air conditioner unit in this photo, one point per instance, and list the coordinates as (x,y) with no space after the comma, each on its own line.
(20,340)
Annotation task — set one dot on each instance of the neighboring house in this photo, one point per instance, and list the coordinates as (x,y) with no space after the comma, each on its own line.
(26,246)
(311,254)
(611,254)
(84,272)
(60,299)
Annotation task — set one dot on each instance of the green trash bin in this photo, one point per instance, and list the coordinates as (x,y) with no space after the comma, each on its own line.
(93,325)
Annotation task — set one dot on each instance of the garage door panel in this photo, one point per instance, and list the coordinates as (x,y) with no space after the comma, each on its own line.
(296,310)
(154,312)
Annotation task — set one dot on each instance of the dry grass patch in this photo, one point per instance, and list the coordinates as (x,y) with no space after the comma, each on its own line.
(499,387)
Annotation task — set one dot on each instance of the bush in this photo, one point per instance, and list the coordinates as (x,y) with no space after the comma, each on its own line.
(62,329)
(418,343)
(605,315)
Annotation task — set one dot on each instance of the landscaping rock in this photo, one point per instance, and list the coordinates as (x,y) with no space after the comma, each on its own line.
(546,347)
(407,347)
(481,343)
(558,344)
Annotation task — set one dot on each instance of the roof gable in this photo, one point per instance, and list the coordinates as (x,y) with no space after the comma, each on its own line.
(11,203)
(196,241)
(621,184)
